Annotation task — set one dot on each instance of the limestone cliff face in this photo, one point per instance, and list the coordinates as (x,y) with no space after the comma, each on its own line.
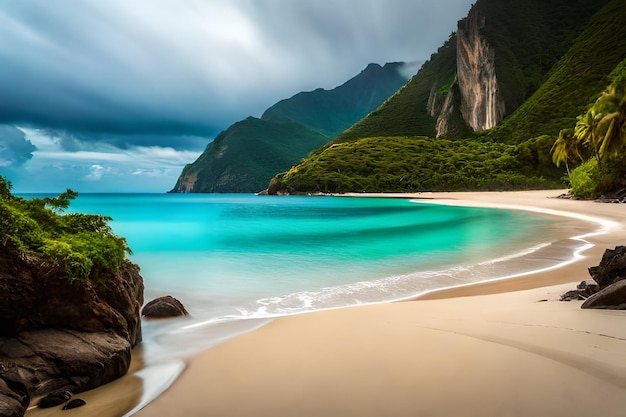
(441,107)
(481,106)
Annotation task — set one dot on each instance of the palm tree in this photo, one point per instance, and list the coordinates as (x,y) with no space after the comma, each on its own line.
(565,148)
(585,130)
(610,130)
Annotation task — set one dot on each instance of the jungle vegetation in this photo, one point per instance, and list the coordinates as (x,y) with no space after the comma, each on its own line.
(597,143)
(81,245)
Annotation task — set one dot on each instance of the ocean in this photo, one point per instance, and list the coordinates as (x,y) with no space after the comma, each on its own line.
(238,260)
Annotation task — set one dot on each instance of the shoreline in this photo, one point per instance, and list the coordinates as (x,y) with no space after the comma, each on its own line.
(182,395)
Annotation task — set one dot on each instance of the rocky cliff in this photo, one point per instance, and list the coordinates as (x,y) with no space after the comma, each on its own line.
(502,52)
(481,105)
(56,335)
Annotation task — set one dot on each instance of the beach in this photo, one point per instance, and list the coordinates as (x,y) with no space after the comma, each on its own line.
(506,347)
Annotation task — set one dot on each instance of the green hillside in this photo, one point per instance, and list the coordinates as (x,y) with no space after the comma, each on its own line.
(405,113)
(528,36)
(575,80)
(246,156)
(332,111)
(554,70)
(406,164)
(250,152)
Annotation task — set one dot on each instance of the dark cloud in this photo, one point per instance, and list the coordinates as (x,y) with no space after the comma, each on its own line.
(15,149)
(75,141)
(147,69)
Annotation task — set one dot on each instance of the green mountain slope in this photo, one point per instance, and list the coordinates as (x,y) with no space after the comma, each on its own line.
(566,67)
(575,81)
(246,156)
(528,37)
(405,113)
(332,111)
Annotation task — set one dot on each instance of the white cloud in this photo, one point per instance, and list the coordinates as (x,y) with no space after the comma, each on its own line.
(96,172)
(106,167)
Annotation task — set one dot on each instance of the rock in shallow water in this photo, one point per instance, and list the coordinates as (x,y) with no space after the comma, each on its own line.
(164,307)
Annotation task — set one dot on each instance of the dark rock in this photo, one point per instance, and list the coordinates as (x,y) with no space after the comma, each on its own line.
(614,197)
(75,403)
(612,267)
(56,335)
(612,297)
(163,307)
(573,295)
(55,398)
(13,397)
(584,290)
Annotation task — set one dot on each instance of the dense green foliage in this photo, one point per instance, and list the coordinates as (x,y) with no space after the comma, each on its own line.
(529,38)
(601,133)
(413,164)
(81,245)
(573,82)
(584,180)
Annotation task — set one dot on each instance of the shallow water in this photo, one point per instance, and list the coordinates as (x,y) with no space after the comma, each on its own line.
(235,257)
(238,261)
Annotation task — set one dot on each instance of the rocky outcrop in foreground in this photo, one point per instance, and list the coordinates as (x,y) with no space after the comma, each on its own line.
(56,335)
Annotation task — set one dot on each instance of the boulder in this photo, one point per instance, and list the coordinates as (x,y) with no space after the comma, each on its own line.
(164,307)
(583,291)
(612,297)
(75,403)
(56,335)
(55,398)
(13,398)
(612,267)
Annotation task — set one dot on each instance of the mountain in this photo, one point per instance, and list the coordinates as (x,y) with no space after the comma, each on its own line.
(244,157)
(515,73)
(501,54)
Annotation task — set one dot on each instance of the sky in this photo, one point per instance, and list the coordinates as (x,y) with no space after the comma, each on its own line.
(118,95)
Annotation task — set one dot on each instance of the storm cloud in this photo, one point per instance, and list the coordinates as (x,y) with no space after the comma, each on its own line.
(15,149)
(174,73)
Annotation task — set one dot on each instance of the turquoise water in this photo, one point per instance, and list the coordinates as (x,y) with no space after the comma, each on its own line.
(259,256)
(236,261)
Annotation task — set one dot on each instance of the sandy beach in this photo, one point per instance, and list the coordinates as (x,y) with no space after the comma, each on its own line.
(500,348)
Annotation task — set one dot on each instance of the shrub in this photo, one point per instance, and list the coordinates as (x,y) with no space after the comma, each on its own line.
(584,180)
(80,245)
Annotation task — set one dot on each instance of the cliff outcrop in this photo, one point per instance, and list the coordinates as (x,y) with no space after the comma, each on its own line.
(481,105)
(57,335)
